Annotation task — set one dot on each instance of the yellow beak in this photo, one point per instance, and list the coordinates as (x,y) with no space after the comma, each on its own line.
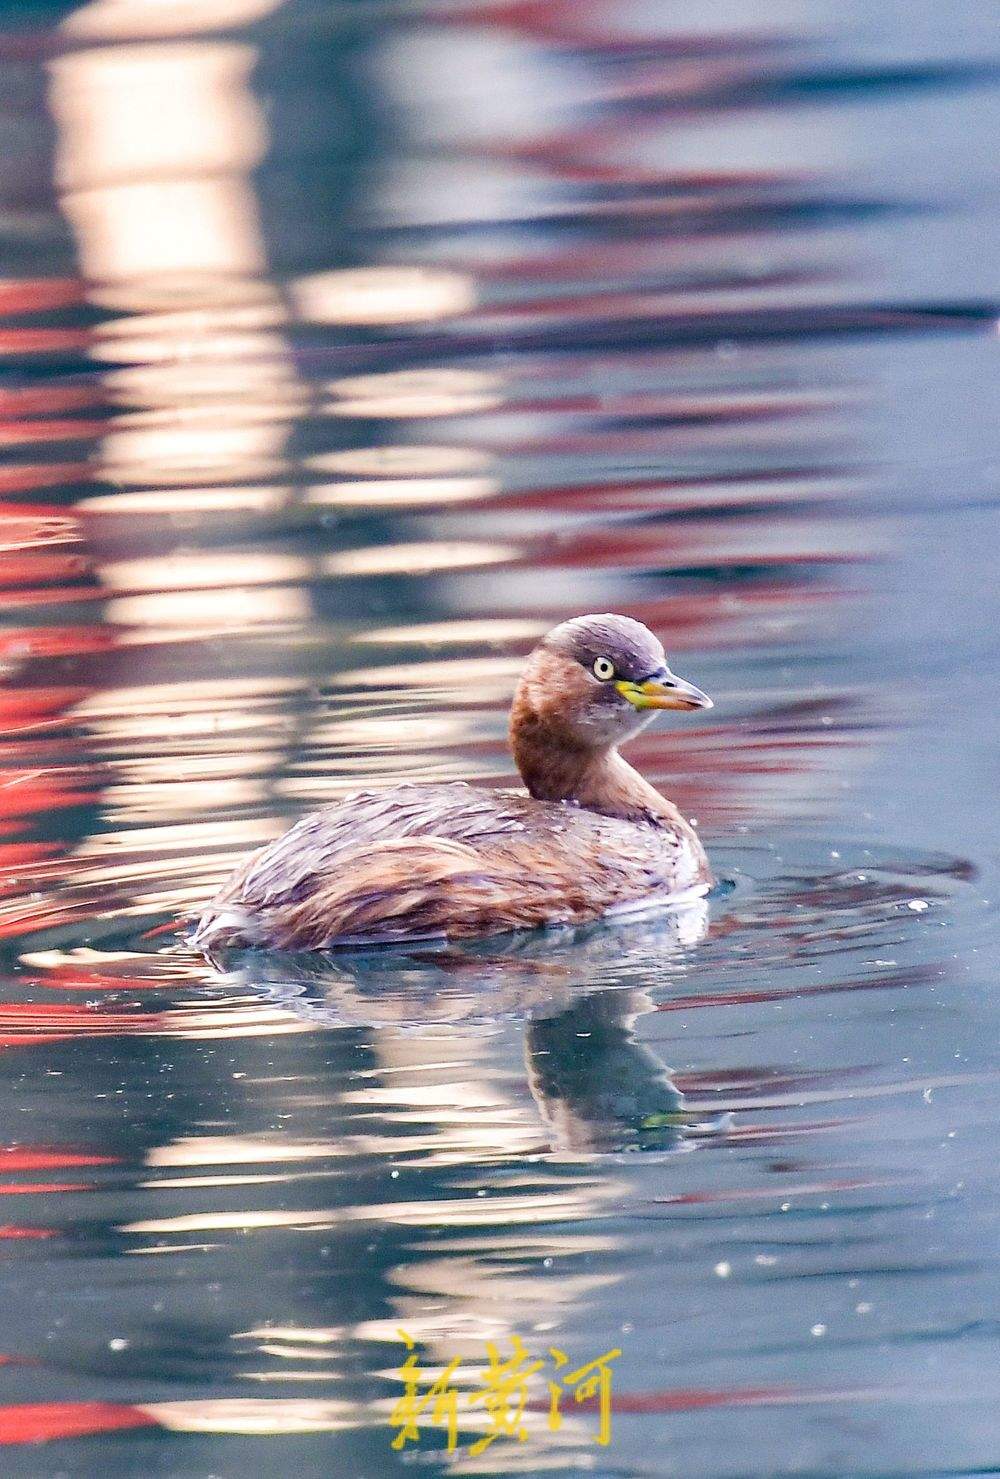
(665,691)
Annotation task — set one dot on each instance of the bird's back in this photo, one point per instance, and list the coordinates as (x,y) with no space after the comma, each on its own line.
(452,860)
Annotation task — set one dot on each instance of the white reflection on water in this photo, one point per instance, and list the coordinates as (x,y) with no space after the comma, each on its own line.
(413,394)
(172,501)
(419,460)
(159,195)
(400,492)
(122,20)
(470,630)
(383,295)
(253,1415)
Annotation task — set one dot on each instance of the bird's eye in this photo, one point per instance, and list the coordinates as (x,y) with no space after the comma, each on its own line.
(604,669)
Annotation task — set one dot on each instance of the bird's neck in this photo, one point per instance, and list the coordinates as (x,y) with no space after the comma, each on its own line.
(598,779)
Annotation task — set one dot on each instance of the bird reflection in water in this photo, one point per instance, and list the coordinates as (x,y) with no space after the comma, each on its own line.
(596,1087)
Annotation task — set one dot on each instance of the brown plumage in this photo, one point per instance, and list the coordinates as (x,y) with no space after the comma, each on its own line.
(453,861)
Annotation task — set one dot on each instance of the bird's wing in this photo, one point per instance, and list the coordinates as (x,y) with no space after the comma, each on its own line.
(328,841)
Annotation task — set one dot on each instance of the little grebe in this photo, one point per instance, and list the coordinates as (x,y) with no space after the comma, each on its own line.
(592,837)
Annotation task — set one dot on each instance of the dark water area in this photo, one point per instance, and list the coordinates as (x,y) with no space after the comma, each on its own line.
(344,349)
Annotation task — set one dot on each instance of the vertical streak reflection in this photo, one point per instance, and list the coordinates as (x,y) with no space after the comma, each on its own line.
(156,145)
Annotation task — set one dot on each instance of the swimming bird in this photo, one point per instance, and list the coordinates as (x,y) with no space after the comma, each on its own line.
(590,838)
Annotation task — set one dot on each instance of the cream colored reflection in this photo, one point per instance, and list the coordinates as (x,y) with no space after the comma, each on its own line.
(405,475)
(402,461)
(251,1416)
(407,732)
(171,615)
(459,632)
(402,492)
(120,20)
(435,1099)
(234,1150)
(172,501)
(383,295)
(417,559)
(155,149)
(488,677)
(411,394)
(157,190)
(552,1206)
(208,697)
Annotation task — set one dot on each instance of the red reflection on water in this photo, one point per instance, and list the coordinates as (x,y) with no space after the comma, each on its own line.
(23,1188)
(44,400)
(689,1399)
(36,1158)
(42,475)
(881,980)
(23,643)
(46,567)
(41,341)
(770,1193)
(14,432)
(24,794)
(599,26)
(23,1024)
(39,294)
(40,1422)
(15,854)
(65,978)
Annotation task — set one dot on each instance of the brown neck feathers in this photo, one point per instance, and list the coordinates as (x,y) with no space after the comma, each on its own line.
(555,768)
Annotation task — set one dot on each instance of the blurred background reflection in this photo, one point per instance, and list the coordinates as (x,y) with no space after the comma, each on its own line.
(343,350)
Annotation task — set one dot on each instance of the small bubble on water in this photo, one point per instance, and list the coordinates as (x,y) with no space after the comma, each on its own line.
(723,1269)
(118,1344)
(394,1175)
(864,1308)
(818,1330)
(786,1206)
(546,1263)
(917,905)
(765,1260)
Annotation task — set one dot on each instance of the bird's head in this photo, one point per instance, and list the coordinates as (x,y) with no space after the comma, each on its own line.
(595,681)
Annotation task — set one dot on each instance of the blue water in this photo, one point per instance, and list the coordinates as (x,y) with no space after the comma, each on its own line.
(344,350)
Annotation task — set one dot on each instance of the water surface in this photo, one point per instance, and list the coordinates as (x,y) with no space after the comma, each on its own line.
(344,350)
